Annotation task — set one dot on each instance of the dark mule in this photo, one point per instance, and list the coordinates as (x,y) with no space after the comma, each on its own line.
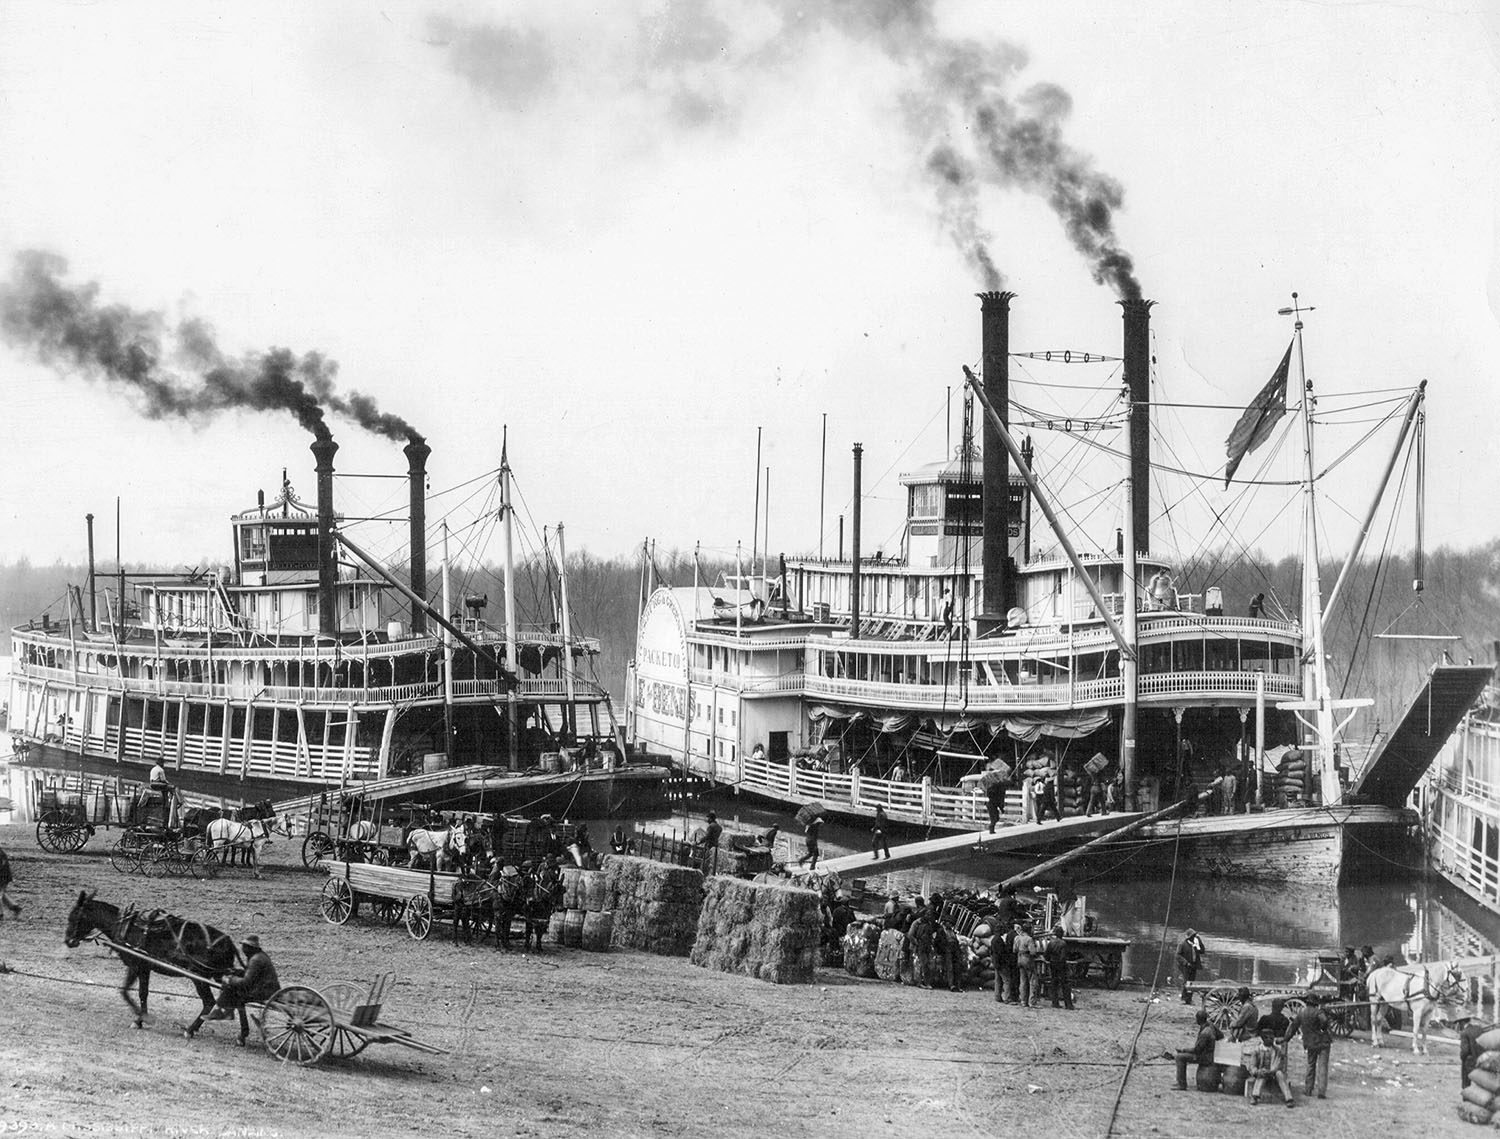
(473,909)
(527,897)
(187,945)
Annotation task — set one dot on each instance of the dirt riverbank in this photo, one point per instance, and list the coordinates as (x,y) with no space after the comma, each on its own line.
(571,1043)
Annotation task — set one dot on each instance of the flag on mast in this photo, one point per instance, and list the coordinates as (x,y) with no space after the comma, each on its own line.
(1257,420)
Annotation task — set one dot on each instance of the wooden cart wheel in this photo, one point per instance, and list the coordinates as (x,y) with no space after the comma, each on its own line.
(154,861)
(389,910)
(1342,1020)
(1293,1007)
(1112,969)
(1221,1006)
(297,1025)
(122,857)
(204,863)
(316,848)
(343,998)
(70,837)
(49,830)
(419,916)
(337,902)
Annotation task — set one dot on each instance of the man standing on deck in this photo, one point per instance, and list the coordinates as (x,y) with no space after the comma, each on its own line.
(878,839)
(1189,958)
(994,802)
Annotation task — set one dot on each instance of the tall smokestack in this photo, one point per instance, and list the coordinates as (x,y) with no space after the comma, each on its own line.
(999,585)
(323,450)
(416,456)
(859,454)
(1137,316)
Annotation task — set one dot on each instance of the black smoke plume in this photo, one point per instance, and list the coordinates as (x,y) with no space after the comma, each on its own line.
(695,61)
(178,373)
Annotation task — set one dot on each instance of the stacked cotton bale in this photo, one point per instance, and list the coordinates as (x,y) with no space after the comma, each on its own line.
(981,972)
(861,943)
(1070,791)
(1481,1098)
(655,906)
(891,955)
(760,929)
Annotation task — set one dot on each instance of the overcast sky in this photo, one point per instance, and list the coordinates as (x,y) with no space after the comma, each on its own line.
(634,233)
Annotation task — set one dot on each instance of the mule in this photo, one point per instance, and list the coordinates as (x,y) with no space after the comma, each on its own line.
(207,953)
(473,909)
(225,836)
(525,896)
(1414,987)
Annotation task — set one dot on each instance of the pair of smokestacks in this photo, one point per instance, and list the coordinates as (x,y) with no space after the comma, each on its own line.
(999,567)
(417,450)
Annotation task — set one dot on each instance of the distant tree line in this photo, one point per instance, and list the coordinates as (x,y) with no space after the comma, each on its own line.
(1461,599)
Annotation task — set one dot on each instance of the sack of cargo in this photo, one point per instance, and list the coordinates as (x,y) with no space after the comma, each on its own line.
(861,942)
(1489,1041)
(1489,1081)
(1488,1061)
(1097,764)
(991,779)
(889,953)
(1480,1098)
(810,811)
(1471,1114)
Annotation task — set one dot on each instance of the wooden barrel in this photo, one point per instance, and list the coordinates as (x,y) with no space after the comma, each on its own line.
(555,926)
(1209,1077)
(598,927)
(591,890)
(572,928)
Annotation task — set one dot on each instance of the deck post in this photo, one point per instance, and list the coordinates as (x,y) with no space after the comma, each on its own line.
(927,798)
(854,788)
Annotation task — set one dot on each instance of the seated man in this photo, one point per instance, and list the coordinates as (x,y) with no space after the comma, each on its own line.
(1275,1026)
(258,983)
(1268,1062)
(1202,1051)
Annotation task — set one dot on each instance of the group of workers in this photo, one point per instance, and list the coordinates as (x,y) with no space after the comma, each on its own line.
(1267,1038)
(1024,963)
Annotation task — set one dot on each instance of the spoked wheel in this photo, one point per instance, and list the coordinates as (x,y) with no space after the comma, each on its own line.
(1293,1007)
(68,837)
(1221,1006)
(389,910)
(316,848)
(419,916)
(297,1025)
(50,830)
(1341,1022)
(337,901)
(154,861)
(204,863)
(343,998)
(122,856)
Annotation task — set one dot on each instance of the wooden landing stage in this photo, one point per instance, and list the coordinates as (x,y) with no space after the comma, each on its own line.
(912,854)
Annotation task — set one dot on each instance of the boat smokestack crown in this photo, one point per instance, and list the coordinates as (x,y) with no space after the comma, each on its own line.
(999,584)
(1137,316)
(416,457)
(323,449)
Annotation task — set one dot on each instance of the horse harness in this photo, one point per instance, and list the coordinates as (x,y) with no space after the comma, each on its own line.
(1439,995)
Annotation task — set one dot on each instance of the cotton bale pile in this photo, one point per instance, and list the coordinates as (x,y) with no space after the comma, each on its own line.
(981,971)
(655,906)
(891,956)
(764,930)
(861,943)
(1481,1099)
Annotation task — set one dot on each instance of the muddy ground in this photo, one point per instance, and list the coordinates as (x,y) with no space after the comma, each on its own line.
(565,1042)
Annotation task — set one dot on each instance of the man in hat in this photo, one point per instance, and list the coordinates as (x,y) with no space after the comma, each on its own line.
(256,983)
(708,842)
(1190,953)
(813,828)
(1246,1023)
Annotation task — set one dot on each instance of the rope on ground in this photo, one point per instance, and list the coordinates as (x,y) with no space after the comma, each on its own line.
(1166,933)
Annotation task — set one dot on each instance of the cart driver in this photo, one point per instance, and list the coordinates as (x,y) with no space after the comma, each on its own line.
(257,983)
(171,797)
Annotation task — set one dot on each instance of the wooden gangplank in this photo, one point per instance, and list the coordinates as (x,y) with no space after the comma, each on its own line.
(1404,756)
(396,787)
(1018,837)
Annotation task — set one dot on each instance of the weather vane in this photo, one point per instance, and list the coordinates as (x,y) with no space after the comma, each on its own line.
(1297,310)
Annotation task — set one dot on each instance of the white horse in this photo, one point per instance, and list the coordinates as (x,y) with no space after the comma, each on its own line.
(1414,987)
(438,850)
(226,836)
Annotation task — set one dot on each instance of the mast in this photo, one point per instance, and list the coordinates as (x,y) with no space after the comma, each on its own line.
(1315,672)
(570,711)
(512,721)
(447,654)
(1129,671)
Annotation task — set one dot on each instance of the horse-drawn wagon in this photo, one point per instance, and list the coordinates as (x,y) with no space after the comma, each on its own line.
(395,894)
(298,1024)
(1221,999)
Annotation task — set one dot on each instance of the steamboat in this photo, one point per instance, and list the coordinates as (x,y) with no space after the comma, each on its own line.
(1461,807)
(306,666)
(986,650)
